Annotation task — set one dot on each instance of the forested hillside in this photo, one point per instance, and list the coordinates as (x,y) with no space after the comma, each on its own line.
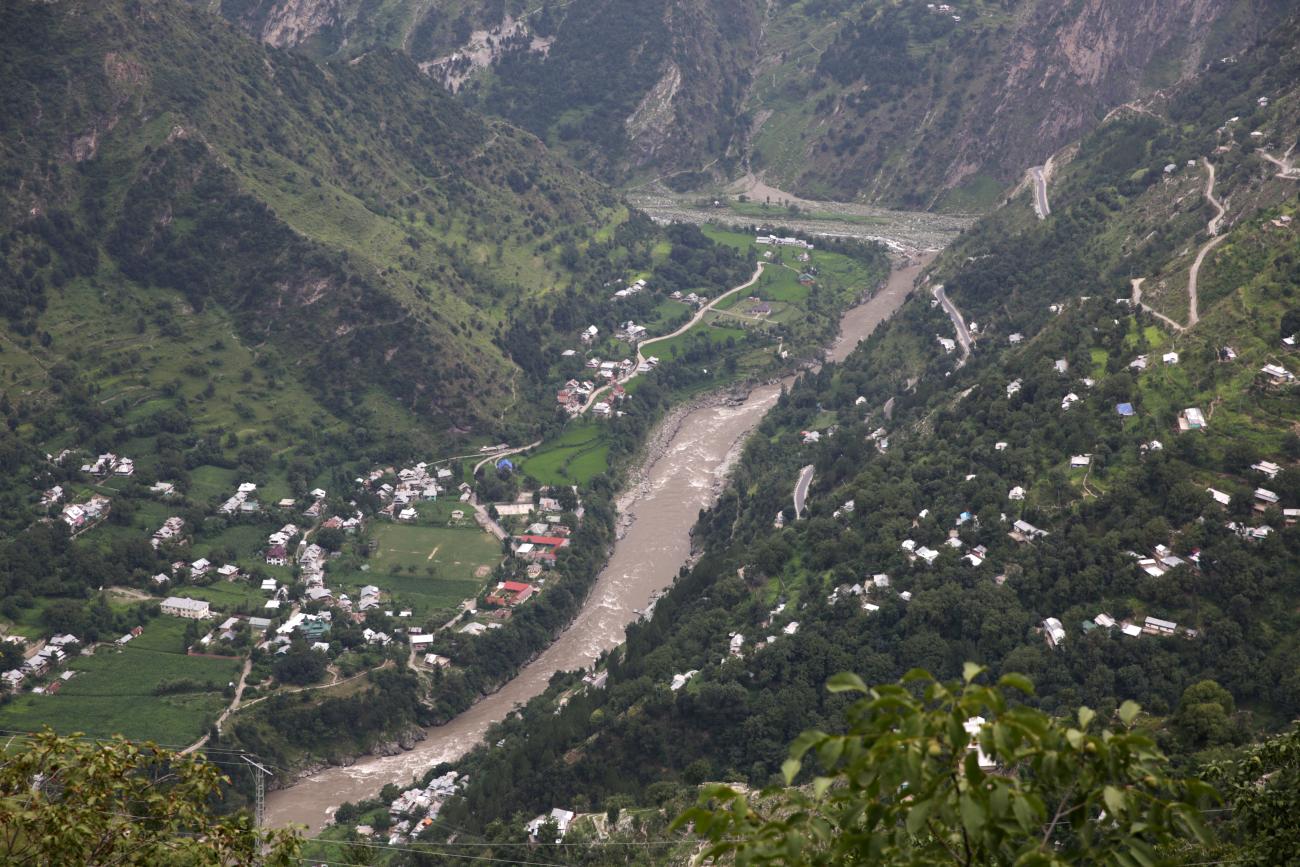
(1098,498)
(921,105)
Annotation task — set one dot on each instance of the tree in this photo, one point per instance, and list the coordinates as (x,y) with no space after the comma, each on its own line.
(1024,789)
(1204,715)
(65,800)
(1263,789)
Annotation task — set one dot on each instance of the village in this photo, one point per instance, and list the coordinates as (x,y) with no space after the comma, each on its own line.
(325,561)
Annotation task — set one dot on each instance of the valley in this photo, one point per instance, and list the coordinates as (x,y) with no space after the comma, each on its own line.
(607,433)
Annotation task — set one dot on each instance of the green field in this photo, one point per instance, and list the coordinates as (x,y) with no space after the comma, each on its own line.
(426,568)
(574,457)
(112,692)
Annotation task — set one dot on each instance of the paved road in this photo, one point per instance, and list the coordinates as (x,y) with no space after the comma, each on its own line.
(640,349)
(1041,207)
(801,490)
(496,456)
(963,334)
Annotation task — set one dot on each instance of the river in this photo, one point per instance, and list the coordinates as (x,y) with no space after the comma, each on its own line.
(686,477)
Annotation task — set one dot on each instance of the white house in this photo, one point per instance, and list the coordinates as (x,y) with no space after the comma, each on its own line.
(1053,631)
(183,606)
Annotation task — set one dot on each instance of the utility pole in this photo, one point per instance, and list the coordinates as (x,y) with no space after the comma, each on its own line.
(259,788)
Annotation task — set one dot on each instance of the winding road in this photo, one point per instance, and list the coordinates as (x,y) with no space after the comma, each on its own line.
(695,320)
(963,334)
(801,490)
(1041,206)
(1193,304)
(1285,168)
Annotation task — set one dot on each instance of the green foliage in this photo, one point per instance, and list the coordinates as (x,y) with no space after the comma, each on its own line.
(72,801)
(907,783)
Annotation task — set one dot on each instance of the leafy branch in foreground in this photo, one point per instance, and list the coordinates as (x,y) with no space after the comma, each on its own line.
(955,773)
(66,800)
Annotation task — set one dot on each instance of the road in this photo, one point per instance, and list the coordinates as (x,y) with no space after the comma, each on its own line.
(231,708)
(496,456)
(1041,206)
(1136,301)
(963,334)
(801,490)
(695,320)
(1193,303)
(1285,168)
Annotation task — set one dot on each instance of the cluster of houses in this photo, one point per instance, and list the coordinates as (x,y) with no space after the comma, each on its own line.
(691,298)
(169,531)
(79,516)
(630,332)
(241,502)
(53,654)
(1053,630)
(634,288)
(775,241)
(109,464)
(541,547)
(416,809)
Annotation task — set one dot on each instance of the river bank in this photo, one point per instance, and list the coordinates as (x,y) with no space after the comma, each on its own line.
(684,468)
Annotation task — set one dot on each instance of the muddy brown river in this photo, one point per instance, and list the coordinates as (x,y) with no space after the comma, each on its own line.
(686,477)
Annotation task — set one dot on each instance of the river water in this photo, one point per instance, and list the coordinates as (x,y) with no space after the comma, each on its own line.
(685,478)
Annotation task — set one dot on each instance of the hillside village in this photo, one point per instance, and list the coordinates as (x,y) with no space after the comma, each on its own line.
(284,595)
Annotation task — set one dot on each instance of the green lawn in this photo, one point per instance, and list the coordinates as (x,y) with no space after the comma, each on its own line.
(112,692)
(425,568)
(229,596)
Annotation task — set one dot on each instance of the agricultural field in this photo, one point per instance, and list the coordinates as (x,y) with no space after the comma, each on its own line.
(425,568)
(113,691)
(575,456)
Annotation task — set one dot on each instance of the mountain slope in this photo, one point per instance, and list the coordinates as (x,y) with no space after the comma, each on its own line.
(1116,483)
(912,104)
(359,226)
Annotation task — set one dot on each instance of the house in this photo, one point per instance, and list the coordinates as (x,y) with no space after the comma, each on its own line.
(433,660)
(562,819)
(999,446)
(1053,631)
(1062,366)
(1191,419)
(1080,461)
(929,555)
(1170,358)
(473,629)
(509,594)
(230,572)
(1104,620)
(1124,409)
(1219,496)
(1156,626)
(1069,400)
(160,579)
(589,336)
(1016,493)
(183,606)
(1268,468)
(948,344)
(276,555)
(810,436)
(1139,363)
(200,567)
(1265,498)
(1277,374)
(1023,531)
(163,489)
